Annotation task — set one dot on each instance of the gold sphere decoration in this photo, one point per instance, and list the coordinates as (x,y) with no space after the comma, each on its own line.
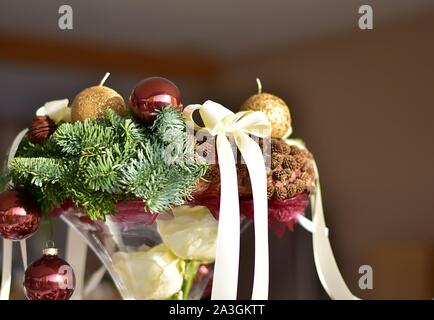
(92,103)
(276,110)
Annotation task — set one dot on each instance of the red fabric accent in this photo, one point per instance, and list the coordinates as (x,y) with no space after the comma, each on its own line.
(131,211)
(282,214)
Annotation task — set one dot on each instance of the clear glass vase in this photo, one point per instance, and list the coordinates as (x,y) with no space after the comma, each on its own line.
(124,242)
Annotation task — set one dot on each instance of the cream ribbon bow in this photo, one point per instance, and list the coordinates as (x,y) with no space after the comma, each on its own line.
(221,122)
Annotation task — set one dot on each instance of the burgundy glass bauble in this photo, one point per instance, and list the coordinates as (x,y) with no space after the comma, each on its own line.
(151,95)
(49,278)
(19,215)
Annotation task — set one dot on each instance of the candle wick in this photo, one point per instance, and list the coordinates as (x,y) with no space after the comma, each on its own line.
(104,79)
(258,81)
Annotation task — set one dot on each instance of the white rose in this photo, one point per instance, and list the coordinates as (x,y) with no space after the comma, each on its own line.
(152,274)
(192,234)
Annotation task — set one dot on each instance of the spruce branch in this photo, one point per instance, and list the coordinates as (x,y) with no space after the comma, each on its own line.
(4,181)
(28,149)
(169,125)
(95,163)
(102,174)
(38,171)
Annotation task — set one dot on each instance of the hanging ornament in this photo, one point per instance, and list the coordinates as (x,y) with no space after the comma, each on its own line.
(19,215)
(49,278)
(151,95)
(274,108)
(92,103)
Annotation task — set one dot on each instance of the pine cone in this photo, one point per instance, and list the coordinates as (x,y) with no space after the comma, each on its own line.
(212,174)
(300,185)
(291,173)
(292,190)
(294,175)
(276,160)
(280,192)
(280,147)
(281,175)
(290,163)
(270,190)
(42,128)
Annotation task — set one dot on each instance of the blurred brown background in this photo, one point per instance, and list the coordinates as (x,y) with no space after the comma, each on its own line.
(363,100)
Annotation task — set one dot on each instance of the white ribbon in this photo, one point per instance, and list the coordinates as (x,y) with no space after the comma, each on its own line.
(221,122)
(23,247)
(325,262)
(75,253)
(326,266)
(6,270)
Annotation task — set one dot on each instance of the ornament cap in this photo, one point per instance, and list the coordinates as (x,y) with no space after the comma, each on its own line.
(50,249)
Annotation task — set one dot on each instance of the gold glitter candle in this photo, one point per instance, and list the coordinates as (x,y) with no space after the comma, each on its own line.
(274,108)
(92,103)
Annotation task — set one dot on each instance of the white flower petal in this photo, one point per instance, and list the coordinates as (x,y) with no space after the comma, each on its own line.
(41,112)
(151,274)
(56,110)
(191,234)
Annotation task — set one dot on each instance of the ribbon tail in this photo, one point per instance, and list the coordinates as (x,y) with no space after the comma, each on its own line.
(253,157)
(326,266)
(76,253)
(225,281)
(308,225)
(14,146)
(23,247)
(305,223)
(5,288)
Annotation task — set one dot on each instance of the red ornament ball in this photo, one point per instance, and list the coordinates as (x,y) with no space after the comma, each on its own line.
(19,215)
(49,278)
(151,95)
